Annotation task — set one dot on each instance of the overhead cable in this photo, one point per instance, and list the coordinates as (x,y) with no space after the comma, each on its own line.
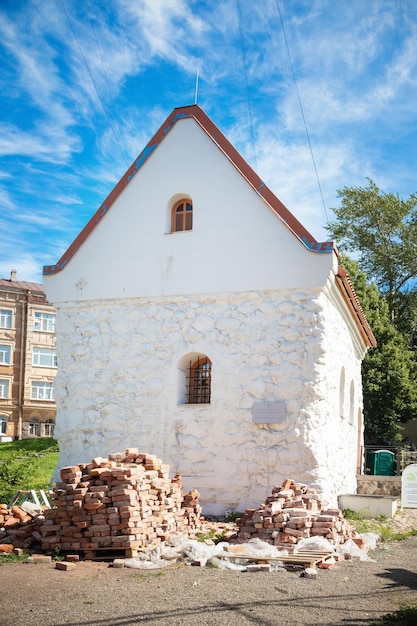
(302,110)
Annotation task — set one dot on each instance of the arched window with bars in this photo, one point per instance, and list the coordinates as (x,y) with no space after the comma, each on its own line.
(199,381)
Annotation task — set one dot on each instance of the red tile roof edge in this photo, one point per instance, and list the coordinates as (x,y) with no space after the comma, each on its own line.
(194,111)
(346,288)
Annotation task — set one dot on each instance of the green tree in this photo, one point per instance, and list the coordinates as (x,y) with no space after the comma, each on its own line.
(381,229)
(389,371)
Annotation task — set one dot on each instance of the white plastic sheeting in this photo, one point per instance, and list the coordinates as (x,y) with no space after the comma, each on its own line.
(180,548)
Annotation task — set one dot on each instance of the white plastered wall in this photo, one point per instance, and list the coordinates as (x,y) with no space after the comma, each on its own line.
(238,243)
(119,375)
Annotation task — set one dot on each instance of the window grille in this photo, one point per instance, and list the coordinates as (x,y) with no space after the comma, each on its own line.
(199,381)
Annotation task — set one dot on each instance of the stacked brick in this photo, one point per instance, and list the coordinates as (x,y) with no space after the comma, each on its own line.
(126,501)
(293,512)
(19,529)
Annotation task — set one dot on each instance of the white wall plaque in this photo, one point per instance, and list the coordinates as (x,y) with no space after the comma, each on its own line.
(269,412)
(409,487)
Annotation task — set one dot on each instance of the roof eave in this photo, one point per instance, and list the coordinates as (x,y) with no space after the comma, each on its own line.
(346,288)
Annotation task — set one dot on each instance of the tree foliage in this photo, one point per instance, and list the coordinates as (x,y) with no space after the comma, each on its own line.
(381,229)
(389,371)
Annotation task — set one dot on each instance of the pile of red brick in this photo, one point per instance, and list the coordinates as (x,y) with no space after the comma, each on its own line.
(19,529)
(126,501)
(293,512)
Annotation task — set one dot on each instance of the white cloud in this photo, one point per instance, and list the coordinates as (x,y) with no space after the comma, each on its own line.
(48,146)
(85,85)
(28,267)
(168,27)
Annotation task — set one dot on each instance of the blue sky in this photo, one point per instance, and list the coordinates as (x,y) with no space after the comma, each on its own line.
(84,84)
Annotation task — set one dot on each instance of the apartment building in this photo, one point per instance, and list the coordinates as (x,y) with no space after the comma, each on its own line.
(28,362)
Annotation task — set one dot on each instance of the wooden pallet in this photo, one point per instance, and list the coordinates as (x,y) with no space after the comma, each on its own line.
(109,554)
(303,558)
(106,554)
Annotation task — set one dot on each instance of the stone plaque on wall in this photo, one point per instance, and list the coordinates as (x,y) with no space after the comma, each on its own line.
(409,487)
(269,412)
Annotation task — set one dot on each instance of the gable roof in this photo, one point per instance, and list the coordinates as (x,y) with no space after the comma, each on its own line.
(205,123)
(298,230)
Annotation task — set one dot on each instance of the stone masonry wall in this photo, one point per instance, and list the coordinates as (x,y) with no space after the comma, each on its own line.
(121,383)
(379,485)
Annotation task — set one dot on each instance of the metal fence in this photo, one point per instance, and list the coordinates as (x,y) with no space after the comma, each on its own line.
(402,457)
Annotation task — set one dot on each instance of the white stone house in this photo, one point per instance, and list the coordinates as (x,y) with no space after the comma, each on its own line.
(198,320)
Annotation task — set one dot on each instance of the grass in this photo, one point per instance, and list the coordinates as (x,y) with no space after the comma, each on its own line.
(232,516)
(407,616)
(212,535)
(26,464)
(380,526)
(12,558)
(148,574)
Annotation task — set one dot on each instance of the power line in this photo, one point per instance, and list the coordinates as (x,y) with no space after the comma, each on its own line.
(302,110)
(110,93)
(245,68)
(94,83)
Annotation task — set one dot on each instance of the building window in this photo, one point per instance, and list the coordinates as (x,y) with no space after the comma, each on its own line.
(49,428)
(3,424)
(182,216)
(44,322)
(5,355)
(44,357)
(5,318)
(342,384)
(4,388)
(34,427)
(42,391)
(352,402)
(199,381)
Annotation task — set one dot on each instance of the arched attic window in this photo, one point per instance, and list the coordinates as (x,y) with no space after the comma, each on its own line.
(199,381)
(182,216)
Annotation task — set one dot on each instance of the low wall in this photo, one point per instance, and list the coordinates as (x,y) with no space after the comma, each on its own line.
(379,485)
(370,505)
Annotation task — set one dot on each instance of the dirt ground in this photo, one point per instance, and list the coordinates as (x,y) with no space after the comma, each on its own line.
(94,594)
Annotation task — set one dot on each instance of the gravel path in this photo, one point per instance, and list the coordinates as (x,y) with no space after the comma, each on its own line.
(94,594)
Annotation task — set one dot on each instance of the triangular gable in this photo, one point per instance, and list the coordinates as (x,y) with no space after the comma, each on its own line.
(196,113)
(290,221)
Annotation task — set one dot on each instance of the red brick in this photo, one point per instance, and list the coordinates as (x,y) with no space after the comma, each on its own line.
(65,565)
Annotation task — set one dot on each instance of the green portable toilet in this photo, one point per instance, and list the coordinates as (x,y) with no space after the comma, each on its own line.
(381,462)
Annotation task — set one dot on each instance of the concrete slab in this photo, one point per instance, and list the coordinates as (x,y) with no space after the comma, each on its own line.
(370,505)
